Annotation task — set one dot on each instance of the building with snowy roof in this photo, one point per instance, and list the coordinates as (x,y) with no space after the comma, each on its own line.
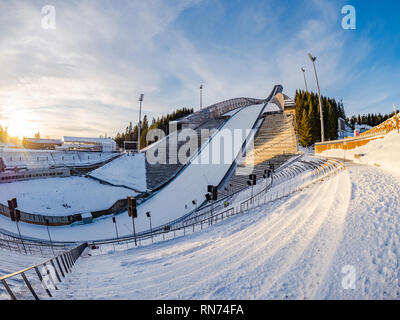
(88,144)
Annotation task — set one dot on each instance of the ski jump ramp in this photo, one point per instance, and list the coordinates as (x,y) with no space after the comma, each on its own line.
(208,167)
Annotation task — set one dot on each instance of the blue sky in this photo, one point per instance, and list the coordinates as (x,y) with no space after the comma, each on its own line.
(84,78)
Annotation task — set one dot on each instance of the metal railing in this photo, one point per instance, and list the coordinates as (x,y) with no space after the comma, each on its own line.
(218,214)
(52,271)
(32,248)
(197,219)
(258,122)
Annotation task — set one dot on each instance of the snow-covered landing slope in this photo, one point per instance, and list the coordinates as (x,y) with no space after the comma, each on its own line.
(175,200)
(295,248)
(127,170)
(170,203)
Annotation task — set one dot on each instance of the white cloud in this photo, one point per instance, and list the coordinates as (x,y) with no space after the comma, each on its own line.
(89,72)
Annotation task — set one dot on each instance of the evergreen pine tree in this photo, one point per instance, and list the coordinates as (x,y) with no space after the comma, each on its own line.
(305,136)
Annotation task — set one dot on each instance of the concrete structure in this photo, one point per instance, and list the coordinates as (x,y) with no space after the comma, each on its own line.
(275,143)
(7,176)
(30,159)
(88,144)
(345,144)
(41,144)
(362,139)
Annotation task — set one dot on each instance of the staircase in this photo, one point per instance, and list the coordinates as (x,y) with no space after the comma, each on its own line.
(275,143)
(277,136)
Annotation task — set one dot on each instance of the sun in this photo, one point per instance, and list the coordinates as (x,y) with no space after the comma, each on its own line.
(18,124)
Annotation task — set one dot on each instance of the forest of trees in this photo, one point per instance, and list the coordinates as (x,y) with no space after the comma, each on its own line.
(308,117)
(3,134)
(131,132)
(371,119)
(6,138)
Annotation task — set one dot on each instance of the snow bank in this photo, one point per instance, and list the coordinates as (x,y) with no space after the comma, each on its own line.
(268,253)
(62,196)
(383,153)
(172,202)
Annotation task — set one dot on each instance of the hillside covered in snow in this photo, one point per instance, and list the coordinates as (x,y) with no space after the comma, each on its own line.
(383,152)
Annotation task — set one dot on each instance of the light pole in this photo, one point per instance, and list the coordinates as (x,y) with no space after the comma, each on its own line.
(313,59)
(201,97)
(305,80)
(48,232)
(267,175)
(148,214)
(132,212)
(15,215)
(116,228)
(140,119)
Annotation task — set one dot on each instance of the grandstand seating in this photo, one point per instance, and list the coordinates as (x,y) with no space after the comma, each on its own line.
(46,159)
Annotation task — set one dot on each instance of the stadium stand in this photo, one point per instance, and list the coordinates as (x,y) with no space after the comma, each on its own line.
(46,159)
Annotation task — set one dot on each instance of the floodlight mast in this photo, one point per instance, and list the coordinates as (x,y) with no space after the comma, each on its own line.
(305,80)
(313,59)
(140,118)
(201,97)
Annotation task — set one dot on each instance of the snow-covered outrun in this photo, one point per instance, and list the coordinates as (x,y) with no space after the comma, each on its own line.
(306,246)
(338,239)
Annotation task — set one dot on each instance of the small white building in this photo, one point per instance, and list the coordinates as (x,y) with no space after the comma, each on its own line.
(89,144)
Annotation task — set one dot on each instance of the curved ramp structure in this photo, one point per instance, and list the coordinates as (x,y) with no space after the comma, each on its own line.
(186,187)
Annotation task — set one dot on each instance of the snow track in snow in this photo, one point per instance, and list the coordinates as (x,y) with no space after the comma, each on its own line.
(371,242)
(294,248)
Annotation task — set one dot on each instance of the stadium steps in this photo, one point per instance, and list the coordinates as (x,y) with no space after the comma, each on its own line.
(275,143)
(239,182)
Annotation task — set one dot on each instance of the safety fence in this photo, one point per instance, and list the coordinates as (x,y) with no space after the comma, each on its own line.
(216,214)
(346,144)
(55,220)
(284,182)
(385,127)
(364,138)
(43,277)
(32,247)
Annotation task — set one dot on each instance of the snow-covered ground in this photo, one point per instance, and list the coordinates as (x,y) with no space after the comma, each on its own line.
(62,196)
(381,152)
(190,185)
(127,171)
(12,262)
(338,239)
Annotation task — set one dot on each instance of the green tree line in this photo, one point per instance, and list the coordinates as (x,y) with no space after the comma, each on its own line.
(371,119)
(131,132)
(308,117)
